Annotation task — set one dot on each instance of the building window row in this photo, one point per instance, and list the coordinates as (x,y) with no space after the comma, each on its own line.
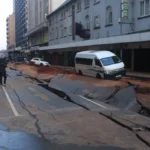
(64,32)
(68,11)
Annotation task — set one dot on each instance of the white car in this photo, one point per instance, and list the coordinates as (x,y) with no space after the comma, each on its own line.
(39,62)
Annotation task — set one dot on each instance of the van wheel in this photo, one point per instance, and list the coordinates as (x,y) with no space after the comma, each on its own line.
(41,64)
(98,76)
(80,73)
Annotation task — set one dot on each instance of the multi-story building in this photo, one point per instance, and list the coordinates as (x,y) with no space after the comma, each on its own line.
(20,10)
(10,31)
(121,26)
(37,23)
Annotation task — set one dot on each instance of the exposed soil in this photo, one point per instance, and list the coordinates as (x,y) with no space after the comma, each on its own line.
(46,73)
(40,72)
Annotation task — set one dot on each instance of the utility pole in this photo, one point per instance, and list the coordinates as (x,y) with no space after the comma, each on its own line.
(73,22)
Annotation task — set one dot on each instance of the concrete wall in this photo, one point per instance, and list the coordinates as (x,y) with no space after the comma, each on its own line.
(36,12)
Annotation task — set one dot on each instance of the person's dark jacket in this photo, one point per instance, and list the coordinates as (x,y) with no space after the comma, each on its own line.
(3,66)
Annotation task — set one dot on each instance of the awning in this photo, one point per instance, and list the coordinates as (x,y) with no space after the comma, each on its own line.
(129,38)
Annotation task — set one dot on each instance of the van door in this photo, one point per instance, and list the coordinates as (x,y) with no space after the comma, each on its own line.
(98,68)
(89,67)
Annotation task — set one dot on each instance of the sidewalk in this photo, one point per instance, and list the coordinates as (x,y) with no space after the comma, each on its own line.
(138,75)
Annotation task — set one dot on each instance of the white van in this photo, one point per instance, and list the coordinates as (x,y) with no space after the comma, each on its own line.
(100,64)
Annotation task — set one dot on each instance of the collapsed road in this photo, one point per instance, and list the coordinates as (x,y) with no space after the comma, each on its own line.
(61,117)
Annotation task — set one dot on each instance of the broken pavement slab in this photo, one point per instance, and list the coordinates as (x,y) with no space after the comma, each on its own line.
(122,98)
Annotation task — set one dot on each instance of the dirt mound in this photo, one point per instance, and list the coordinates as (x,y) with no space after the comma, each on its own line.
(54,71)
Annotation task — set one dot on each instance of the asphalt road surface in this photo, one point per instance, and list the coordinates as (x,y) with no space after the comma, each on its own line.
(33,118)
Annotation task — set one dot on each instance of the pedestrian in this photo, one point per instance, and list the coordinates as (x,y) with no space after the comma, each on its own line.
(3,73)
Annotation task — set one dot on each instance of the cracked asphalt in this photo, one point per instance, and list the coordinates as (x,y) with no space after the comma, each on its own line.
(35,119)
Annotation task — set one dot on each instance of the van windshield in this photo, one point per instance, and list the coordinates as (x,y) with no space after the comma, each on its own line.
(110,60)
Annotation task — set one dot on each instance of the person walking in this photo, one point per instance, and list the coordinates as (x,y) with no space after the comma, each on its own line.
(3,73)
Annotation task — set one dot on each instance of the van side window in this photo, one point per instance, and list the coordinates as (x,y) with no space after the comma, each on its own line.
(84,61)
(98,63)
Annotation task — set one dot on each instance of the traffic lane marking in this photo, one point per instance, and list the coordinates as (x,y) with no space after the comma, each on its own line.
(10,102)
(93,102)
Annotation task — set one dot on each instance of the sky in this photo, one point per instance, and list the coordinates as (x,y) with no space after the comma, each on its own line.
(6,8)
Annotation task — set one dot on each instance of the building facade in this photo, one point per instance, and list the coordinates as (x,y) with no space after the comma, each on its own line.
(10,31)
(121,26)
(37,23)
(20,10)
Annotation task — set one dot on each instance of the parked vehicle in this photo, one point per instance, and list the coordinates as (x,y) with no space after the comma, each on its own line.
(100,64)
(39,62)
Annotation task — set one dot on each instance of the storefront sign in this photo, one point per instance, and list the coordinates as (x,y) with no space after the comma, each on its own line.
(125,11)
(18,48)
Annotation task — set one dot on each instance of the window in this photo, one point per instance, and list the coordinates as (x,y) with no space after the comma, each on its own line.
(84,61)
(56,32)
(62,15)
(52,20)
(56,18)
(96,1)
(98,63)
(62,32)
(87,3)
(87,21)
(110,60)
(144,7)
(70,30)
(53,33)
(108,15)
(96,21)
(50,36)
(147,7)
(79,6)
(70,11)
(35,59)
(49,22)
(65,31)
